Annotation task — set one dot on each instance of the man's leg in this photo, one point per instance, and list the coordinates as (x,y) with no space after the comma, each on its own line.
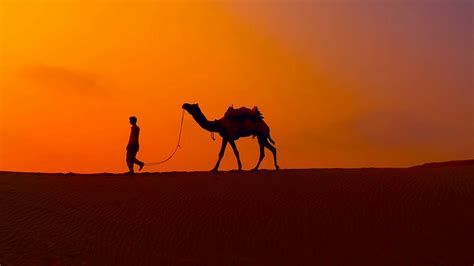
(130,160)
(139,163)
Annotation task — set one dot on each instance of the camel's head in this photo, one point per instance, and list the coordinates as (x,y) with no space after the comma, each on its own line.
(191,108)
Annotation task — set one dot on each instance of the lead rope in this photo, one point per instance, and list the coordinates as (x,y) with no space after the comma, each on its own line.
(177,146)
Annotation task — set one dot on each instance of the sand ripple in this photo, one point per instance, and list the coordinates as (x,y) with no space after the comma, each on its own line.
(417,216)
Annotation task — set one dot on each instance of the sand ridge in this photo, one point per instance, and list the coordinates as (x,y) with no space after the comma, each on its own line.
(417,216)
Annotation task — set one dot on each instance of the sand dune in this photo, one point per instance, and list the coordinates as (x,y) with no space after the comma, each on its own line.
(417,216)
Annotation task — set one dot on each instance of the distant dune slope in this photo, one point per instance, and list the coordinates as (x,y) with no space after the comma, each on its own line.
(446,164)
(417,216)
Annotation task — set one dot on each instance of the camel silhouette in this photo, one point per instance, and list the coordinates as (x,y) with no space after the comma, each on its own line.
(235,124)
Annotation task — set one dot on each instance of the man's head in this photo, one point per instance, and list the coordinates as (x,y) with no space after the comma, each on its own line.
(133,120)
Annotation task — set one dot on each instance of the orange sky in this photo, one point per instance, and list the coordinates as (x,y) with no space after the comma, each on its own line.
(340,85)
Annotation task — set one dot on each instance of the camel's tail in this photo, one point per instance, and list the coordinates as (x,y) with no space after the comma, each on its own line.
(269,137)
(271,140)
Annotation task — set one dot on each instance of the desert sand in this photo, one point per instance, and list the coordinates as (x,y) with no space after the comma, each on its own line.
(413,216)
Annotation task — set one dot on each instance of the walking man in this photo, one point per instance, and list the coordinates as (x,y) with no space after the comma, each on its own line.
(133,146)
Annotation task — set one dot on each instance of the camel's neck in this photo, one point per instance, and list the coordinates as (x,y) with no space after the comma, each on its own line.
(201,119)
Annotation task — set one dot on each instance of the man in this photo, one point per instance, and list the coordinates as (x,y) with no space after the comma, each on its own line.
(133,146)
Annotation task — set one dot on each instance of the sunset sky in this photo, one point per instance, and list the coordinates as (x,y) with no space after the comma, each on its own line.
(342,83)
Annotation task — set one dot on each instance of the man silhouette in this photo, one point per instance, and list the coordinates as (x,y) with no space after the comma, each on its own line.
(133,146)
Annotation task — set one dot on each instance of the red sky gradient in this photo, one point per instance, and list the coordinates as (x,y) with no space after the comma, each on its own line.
(340,83)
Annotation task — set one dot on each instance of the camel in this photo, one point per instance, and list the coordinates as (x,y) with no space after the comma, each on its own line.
(232,127)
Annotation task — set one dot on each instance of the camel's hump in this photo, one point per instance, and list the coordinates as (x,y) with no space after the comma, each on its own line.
(243,113)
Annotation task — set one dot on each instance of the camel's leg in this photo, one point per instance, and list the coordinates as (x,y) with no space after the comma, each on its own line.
(236,152)
(262,155)
(221,154)
(273,150)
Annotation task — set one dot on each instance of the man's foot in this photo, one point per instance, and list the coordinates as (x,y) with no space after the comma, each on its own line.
(129,173)
(141,166)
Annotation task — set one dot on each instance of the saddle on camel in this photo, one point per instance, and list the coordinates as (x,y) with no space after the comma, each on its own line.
(243,113)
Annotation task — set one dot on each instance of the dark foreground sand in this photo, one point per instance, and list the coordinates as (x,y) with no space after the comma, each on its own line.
(418,216)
